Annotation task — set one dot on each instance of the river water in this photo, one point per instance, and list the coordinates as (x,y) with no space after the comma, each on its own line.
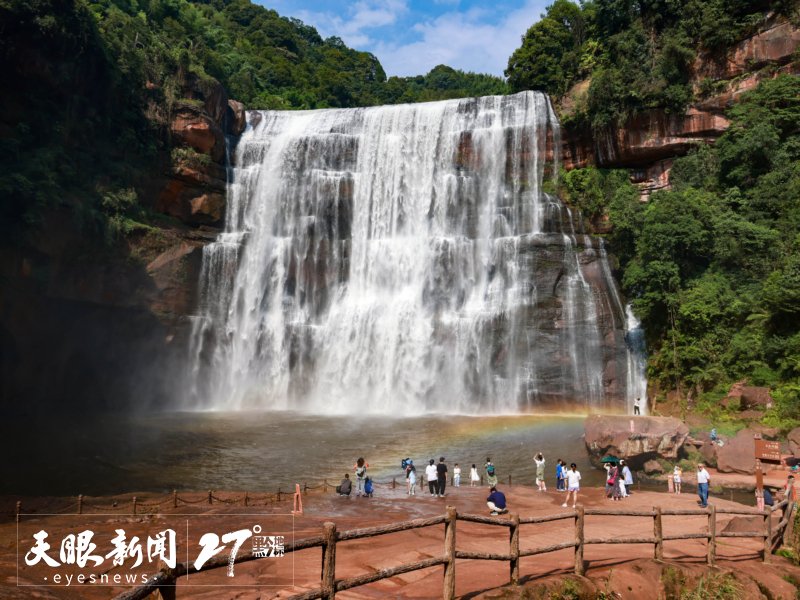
(259,451)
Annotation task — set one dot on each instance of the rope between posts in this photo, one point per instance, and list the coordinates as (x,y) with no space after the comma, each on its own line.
(227,501)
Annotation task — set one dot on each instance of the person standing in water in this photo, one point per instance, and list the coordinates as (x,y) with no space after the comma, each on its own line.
(361,474)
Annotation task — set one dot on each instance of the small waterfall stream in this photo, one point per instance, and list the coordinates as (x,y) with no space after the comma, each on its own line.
(405,259)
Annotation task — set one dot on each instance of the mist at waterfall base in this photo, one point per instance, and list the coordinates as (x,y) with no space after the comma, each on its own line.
(259,451)
(402,260)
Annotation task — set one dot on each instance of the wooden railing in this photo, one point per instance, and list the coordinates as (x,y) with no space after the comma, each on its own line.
(165,581)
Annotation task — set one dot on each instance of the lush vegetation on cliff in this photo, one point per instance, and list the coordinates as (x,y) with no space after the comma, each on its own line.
(634,54)
(713,266)
(261,58)
(95,83)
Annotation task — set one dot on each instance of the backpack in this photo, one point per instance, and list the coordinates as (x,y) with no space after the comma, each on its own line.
(490,470)
(404,463)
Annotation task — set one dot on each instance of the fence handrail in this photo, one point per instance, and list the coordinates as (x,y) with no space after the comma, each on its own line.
(328,541)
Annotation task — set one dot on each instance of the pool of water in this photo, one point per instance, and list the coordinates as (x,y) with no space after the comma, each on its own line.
(259,451)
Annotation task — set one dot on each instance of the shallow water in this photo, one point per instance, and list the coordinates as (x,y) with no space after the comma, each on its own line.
(260,451)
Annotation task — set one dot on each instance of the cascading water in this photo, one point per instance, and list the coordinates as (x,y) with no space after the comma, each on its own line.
(403,259)
(637,361)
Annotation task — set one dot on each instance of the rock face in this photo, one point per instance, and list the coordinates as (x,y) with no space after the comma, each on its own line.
(649,141)
(738,454)
(794,441)
(195,188)
(651,437)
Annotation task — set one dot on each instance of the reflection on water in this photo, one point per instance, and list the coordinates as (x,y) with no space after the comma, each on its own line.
(260,451)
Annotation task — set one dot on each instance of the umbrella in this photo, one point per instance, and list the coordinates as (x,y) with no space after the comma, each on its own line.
(609,459)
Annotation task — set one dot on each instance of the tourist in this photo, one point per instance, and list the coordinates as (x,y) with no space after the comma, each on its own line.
(361,474)
(573,484)
(560,476)
(456,476)
(368,488)
(411,477)
(702,485)
(441,475)
(539,460)
(790,490)
(613,482)
(637,406)
(627,478)
(344,488)
(491,473)
(496,502)
(609,479)
(677,473)
(474,478)
(433,478)
(768,499)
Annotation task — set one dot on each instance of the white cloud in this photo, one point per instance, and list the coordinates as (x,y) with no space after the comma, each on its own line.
(360,17)
(463,40)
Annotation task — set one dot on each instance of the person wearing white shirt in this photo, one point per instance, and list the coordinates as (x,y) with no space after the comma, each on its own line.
(702,484)
(433,478)
(573,477)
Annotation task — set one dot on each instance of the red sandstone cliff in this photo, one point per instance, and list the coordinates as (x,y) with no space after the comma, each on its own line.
(649,141)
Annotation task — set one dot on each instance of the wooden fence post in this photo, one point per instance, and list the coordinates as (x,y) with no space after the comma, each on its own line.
(767,534)
(481,478)
(394,483)
(209,496)
(329,561)
(19,509)
(658,532)
(325,486)
(246,498)
(134,505)
(449,588)
(167,590)
(514,543)
(712,536)
(509,480)
(279,493)
(174,498)
(789,529)
(305,489)
(579,519)
(80,504)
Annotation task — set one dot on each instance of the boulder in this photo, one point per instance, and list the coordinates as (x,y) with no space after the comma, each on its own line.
(755,398)
(738,454)
(649,438)
(237,119)
(652,467)
(192,127)
(709,453)
(794,441)
(744,525)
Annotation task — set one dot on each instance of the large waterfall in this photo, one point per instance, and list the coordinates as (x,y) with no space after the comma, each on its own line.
(403,259)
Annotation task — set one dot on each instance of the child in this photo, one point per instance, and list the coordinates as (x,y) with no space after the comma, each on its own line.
(361,473)
(676,478)
(474,478)
(456,476)
(560,476)
(411,477)
(368,487)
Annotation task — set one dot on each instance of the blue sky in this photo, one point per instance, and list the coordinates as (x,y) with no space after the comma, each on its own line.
(410,37)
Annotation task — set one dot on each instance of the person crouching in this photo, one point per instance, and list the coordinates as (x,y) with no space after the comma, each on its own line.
(496,502)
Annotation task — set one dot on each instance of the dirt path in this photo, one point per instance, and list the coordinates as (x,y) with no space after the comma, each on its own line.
(273,578)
